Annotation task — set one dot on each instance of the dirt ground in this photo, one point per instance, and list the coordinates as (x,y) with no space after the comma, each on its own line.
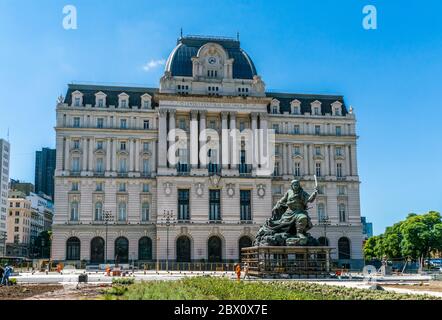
(19,292)
(435,286)
(52,292)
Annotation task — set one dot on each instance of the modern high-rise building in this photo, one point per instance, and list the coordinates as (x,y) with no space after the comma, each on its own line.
(4,189)
(367,228)
(128,152)
(44,171)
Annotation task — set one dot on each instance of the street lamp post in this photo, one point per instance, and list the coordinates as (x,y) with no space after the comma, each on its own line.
(167,215)
(325,221)
(107,217)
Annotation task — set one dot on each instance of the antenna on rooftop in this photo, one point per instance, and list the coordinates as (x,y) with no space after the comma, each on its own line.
(237,36)
(181,32)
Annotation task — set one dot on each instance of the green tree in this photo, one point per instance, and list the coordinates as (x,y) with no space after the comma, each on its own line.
(421,235)
(369,246)
(391,244)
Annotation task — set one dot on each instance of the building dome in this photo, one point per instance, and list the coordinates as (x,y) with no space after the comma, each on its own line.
(179,63)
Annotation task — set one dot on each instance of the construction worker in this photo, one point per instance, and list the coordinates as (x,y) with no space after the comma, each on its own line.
(246,271)
(238,271)
(108,270)
(6,274)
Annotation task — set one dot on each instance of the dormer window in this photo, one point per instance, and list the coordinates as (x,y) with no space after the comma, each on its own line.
(295,106)
(123,100)
(337,108)
(146,101)
(101,103)
(77,98)
(274,106)
(316,108)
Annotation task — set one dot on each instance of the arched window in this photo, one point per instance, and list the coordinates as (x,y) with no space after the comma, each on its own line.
(122,211)
(97,250)
(74,211)
(214,249)
(98,211)
(145,211)
(121,250)
(344,248)
(321,212)
(243,242)
(145,249)
(342,216)
(183,249)
(73,249)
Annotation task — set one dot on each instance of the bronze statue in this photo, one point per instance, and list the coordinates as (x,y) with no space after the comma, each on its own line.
(290,222)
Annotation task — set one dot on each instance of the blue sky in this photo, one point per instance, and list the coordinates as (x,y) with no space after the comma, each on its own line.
(392,76)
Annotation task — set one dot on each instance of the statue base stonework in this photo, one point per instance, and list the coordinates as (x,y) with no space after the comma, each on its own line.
(287,261)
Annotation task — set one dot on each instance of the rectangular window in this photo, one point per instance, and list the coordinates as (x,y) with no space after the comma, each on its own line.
(339,170)
(212,124)
(297,169)
(214,205)
(100,122)
(99,145)
(145,187)
(242,126)
(183,204)
(76,144)
(276,127)
(296,150)
(100,167)
(276,169)
(245,205)
(146,169)
(123,124)
(338,131)
(296,129)
(145,104)
(77,102)
(101,103)
(317,130)
(74,186)
(317,111)
(123,145)
(122,187)
(76,122)
(318,151)
(76,164)
(338,151)
(341,190)
(182,124)
(123,165)
(145,146)
(124,103)
(318,169)
(146,124)
(99,186)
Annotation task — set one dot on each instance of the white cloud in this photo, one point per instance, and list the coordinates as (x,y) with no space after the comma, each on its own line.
(152,64)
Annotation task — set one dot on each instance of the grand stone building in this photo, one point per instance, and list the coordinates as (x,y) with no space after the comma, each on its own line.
(114,157)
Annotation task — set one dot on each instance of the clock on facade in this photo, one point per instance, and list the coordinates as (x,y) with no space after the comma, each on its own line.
(212,60)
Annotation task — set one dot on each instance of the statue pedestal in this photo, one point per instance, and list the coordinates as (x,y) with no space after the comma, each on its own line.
(287,261)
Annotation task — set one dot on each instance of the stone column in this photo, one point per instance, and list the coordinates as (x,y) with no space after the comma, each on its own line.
(85,152)
(137,155)
(354,165)
(305,155)
(263,140)
(224,141)
(91,155)
(194,150)
(108,155)
(202,134)
(162,138)
(254,144)
(347,161)
(67,146)
(327,160)
(234,152)
(284,158)
(172,140)
(154,156)
(332,160)
(114,155)
(312,170)
(131,155)
(290,159)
